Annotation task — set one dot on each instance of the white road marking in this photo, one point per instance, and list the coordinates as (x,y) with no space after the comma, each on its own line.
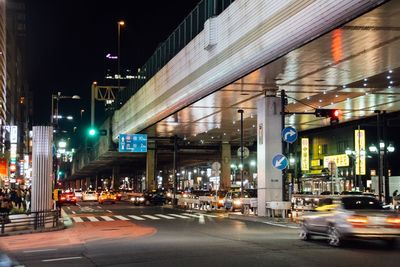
(192,215)
(281,225)
(121,217)
(92,219)
(108,219)
(165,216)
(62,259)
(209,215)
(109,211)
(39,250)
(78,204)
(73,212)
(151,217)
(69,208)
(179,216)
(77,219)
(99,207)
(136,217)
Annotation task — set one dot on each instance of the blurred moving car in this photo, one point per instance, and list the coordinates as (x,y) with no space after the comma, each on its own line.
(89,196)
(218,198)
(136,198)
(118,195)
(78,193)
(107,196)
(154,197)
(351,216)
(68,198)
(232,200)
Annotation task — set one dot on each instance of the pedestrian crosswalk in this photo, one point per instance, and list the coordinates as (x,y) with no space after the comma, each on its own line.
(141,217)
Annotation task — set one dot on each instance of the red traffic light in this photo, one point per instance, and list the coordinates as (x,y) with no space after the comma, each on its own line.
(336,113)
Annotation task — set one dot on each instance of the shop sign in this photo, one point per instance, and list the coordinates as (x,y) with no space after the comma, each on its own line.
(341,160)
(359,144)
(305,154)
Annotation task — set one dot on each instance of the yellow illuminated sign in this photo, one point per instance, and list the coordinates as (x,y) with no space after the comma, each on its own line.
(341,160)
(359,144)
(315,163)
(305,156)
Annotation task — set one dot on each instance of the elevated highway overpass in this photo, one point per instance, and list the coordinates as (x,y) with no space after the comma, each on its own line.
(324,54)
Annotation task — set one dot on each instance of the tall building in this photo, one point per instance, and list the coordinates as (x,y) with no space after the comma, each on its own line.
(2,66)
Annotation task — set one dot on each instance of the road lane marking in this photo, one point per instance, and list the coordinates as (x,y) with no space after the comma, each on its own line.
(93,219)
(121,217)
(151,217)
(78,204)
(136,217)
(209,215)
(281,225)
(62,259)
(106,218)
(73,212)
(77,219)
(109,211)
(165,216)
(193,215)
(179,216)
(69,208)
(99,207)
(40,250)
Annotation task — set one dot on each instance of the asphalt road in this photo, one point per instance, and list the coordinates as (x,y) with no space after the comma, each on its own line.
(126,235)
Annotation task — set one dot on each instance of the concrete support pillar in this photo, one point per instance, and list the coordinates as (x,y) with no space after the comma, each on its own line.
(225,177)
(269,127)
(150,165)
(42,165)
(115,177)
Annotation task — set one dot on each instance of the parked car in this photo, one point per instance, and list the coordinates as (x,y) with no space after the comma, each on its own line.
(67,198)
(351,216)
(89,196)
(107,197)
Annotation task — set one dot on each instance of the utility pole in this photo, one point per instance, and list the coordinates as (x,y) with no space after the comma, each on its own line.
(240,111)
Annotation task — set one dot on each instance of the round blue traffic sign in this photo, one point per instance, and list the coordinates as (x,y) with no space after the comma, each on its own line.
(280,162)
(289,134)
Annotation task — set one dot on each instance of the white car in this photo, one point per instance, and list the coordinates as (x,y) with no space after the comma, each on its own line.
(89,196)
(78,193)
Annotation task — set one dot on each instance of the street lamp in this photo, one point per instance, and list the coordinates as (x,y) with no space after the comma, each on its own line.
(120,24)
(57,97)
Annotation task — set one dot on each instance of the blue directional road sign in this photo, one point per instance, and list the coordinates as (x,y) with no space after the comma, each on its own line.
(279,161)
(289,134)
(132,143)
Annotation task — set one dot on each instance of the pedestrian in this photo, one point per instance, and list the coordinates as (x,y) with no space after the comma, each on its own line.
(5,208)
(28,200)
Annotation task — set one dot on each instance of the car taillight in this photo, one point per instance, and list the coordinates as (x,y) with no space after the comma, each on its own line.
(73,197)
(358,221)
(62,198)
(393,222)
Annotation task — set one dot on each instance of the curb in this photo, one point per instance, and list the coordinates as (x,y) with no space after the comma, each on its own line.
(263,220)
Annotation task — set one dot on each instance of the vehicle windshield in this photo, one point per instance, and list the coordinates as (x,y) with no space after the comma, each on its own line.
(360,203)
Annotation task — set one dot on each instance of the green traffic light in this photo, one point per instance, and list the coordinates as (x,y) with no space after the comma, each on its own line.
(92,132)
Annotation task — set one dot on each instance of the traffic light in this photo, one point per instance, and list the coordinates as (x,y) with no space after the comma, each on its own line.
(333,114)
(92,131)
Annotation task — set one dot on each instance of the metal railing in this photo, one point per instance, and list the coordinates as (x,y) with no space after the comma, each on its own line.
(30,221)
(191,26)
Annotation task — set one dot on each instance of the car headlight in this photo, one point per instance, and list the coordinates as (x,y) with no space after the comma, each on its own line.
(306,199)
(221,201)
(237,202)
(169,194)
(133,199)
(185,195)
(141,198)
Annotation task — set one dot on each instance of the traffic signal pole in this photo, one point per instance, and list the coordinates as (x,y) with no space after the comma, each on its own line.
(284,151)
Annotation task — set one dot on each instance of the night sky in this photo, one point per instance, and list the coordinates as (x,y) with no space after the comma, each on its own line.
(67,41)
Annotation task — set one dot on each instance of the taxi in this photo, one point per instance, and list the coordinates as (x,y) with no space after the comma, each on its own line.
(107,196)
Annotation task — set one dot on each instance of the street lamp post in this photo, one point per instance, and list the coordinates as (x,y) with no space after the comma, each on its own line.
(240,111)
(120,23)
(57,97)
(381,151)
(351,154)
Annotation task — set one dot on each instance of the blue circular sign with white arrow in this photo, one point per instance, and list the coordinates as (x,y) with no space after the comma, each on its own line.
(289,134)
(279,161)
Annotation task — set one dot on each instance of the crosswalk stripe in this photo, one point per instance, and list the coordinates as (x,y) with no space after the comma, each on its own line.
(106,218)
(121,217)
(165,216)
(77,219)
(179,216)
(192,215)
(210,215)
(93,219)
(151,217)
(136,217)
